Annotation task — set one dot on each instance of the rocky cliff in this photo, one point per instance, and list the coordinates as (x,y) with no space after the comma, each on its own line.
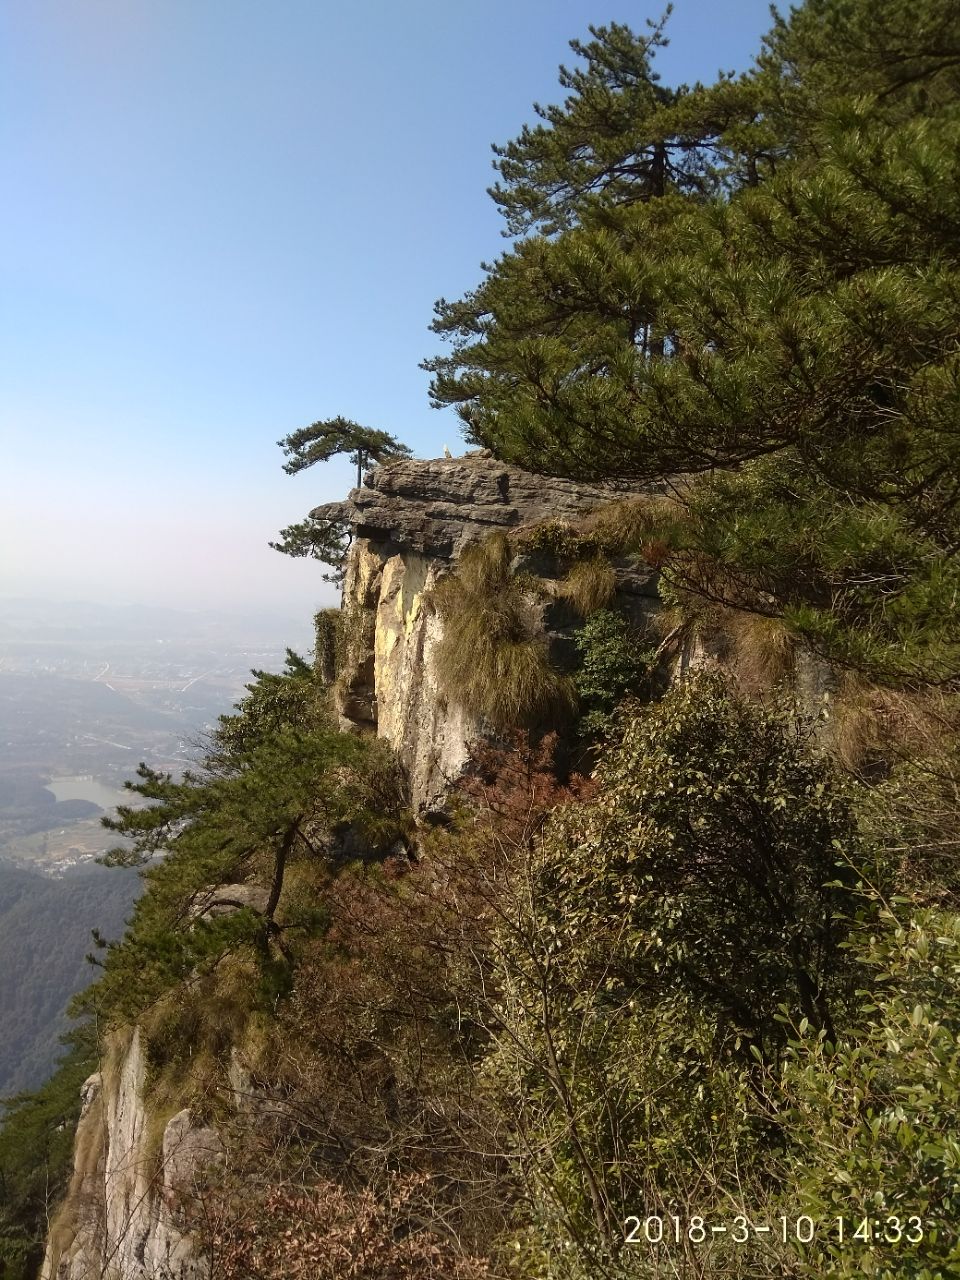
(134,1175)
(411,519)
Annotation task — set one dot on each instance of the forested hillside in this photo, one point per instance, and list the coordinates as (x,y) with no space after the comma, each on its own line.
(45,935)
(671,985)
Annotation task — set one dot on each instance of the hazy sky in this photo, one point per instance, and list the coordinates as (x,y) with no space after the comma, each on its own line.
(224,219)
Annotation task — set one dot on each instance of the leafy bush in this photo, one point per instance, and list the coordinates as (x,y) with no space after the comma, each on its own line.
(613,666)
(659,930)
(327,625)
(873,1121)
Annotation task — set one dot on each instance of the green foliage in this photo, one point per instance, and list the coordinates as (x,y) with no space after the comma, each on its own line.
(784,308)
(857,582)
(917,804)
(661,930)
(493,658)
(872,1121)
(323,440)
(317,537)
(613,666)
(327,625)
(611,139)
(559,539)
(281,784)
(293,698)
(320,539)
(36,1157)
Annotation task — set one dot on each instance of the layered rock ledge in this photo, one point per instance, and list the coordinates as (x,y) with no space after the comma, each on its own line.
(411,519)
(439,506)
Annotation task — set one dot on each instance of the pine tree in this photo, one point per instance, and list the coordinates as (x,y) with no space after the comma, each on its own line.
(319,539)
(278,782)
(323,440)
(620,136)
(328,540)
(787,337)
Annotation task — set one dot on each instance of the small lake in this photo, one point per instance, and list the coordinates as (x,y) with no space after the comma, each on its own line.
(88,789)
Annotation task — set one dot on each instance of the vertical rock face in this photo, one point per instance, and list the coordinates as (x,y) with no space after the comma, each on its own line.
(411,520)
(120,1218)
(389,679)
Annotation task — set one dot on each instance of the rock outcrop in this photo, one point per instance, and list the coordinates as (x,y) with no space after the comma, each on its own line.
(438,506)
(121,1219)
(411,519)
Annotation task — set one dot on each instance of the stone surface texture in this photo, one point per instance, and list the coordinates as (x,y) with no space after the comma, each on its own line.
(438,506)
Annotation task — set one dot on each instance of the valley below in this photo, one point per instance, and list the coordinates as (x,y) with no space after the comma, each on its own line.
(86,693)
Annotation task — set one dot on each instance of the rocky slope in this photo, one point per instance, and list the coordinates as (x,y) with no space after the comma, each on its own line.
(121,1217)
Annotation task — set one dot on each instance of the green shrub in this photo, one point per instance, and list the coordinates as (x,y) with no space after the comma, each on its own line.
(327,625)
(873,1121)
(613,666)
(659,931)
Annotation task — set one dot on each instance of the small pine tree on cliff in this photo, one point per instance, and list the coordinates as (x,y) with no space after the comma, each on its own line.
(323,440)
(328,540)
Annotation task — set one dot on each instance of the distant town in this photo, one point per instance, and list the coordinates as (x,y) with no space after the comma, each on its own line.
(87,692)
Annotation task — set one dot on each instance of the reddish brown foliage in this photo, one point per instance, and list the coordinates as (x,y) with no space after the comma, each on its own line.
(516,784)
(373,1152)
(325,1233)
(370,1070)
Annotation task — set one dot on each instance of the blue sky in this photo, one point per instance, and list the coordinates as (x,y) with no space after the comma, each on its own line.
(224,219)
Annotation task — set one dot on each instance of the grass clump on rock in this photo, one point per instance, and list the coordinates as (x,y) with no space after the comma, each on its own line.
(590,585)
(493,659)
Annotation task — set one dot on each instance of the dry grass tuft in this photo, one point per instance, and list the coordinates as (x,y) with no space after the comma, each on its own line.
(855,721)
(650,525)
(494,658)
(761,651)
(590,585)
(902,724)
